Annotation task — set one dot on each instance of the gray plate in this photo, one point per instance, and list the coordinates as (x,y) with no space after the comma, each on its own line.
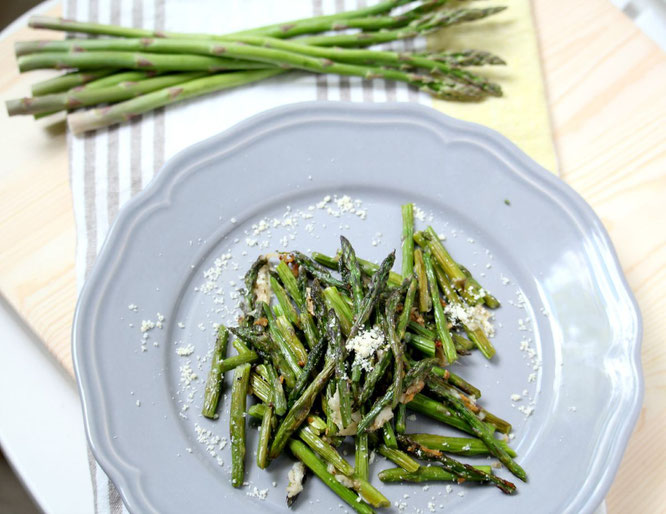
(570,348)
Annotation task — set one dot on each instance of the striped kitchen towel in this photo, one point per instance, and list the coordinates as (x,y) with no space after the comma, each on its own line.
(109,166)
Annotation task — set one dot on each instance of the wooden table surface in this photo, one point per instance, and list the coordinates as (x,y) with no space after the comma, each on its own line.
(606,82)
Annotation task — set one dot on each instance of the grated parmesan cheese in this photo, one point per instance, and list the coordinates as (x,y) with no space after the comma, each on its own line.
(185,351)
(365,345)
(296,475)
(262,287)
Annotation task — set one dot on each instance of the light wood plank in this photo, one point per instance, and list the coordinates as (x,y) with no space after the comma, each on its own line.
(37,239)
(606,83)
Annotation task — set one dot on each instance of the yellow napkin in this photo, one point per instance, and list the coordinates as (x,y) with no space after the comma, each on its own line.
(522,113)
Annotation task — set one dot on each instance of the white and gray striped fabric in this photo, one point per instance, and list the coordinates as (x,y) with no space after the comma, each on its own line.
(109,166)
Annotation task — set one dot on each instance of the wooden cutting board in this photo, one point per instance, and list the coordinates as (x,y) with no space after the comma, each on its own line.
(606,82)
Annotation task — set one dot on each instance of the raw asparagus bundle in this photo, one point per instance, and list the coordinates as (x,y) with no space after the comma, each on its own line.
(339,347)
(131,71)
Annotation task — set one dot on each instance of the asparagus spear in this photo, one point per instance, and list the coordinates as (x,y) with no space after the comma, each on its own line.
(401,418)
(399,457)
(469,57)
(299,412)
(406,308)
(237,423)
(284,302)
(101,117)
(305,455)
(361,455)
(440,319)
(374,376)
(214,380)
(458,445)
(67,81)
(477,289)
(464,471)
(260,388)
(481,430)
(407,240)
(351,273)
(303,379)
(397,347)
(264,437)
(343,312)
(435,410)
(413,381)
(377,284)
(476,334)
(317,270)
(425,474)
(75,99)
(368,268)
(250,280)
(425,302)
(341,380)
(389,436)
(281,30)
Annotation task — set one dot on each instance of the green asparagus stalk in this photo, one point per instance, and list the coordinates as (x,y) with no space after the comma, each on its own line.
(133,60)
(476,334)
(351,273)
(435,410)
(237,423)
(389,436)
(426,474)
(281,343)
(399,458)
(481,430)
(310,366)
(458,445)
(413,382)
(461,58)
(344,314)
(377,285)
(341,380)
(289,334)
(406,308)
(299,412)
(431,240)
(240,346)
(260,388)
(368,268)
(478,290)
(397,347)
(407,240)
(401,418)
(464,471)
(67,81)
(264,437)
(377,372)
(283,300)
(440,319)
(214,380)
(284,29)
(325,451)
(101,117)
(457,381)
(250,280)
(279,399)
(425,302)
(361,456)
(86,96)
(317,270)
(237,360)
(305,455)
